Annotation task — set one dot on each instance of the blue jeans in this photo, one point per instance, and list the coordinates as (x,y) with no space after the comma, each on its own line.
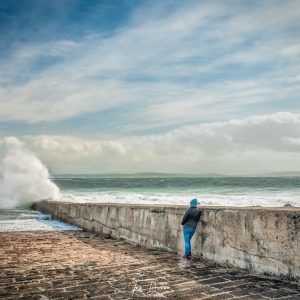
(188,233)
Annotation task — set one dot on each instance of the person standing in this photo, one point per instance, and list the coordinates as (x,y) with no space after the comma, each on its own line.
(189,221)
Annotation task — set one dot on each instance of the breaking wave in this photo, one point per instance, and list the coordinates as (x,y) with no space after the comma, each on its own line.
(23,178)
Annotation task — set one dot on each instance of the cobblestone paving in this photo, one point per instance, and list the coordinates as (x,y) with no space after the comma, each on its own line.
(80,265)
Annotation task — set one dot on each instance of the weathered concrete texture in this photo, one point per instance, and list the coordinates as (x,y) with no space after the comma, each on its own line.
(256,239)
(80,265)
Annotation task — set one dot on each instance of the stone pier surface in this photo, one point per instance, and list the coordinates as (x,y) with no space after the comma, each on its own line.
(80,265)
(261,240)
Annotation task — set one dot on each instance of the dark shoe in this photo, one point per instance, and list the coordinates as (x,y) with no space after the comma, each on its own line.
(187,256)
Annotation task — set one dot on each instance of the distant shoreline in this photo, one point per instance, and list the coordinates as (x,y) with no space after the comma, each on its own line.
(176,175)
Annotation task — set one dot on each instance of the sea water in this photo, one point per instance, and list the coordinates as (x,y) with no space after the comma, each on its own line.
(22,219)
(224,191)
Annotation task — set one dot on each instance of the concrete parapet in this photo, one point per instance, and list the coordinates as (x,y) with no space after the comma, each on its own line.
(262,240)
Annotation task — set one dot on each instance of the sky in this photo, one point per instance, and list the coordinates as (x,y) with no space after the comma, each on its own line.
(152,86)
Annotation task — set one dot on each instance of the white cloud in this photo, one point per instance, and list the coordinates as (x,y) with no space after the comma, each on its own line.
(291,50)
(252,145)
(177,50)
(294,142)
(12,142)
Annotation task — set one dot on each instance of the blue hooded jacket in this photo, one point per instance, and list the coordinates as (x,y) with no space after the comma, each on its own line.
(192,215)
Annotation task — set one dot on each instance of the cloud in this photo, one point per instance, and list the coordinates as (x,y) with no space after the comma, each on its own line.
(293,50)
(171,64)
(251,145)
(12,142)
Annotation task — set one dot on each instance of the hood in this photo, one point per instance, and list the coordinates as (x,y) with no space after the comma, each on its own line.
(194,202)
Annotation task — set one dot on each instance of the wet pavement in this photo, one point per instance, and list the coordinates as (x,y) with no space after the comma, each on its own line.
(79,265)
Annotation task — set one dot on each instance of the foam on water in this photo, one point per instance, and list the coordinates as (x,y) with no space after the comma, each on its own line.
(266,200)
(33,225)
(28,220)
(220,191)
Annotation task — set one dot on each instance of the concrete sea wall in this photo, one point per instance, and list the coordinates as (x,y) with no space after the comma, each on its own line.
(262,240)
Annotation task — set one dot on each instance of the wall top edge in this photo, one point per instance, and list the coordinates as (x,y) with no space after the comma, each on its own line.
(256,208)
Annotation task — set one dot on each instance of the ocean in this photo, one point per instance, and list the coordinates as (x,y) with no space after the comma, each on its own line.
(210,191)
(224,191)
(22,219)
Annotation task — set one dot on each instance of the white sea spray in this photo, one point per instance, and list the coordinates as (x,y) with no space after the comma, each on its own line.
(23,177)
